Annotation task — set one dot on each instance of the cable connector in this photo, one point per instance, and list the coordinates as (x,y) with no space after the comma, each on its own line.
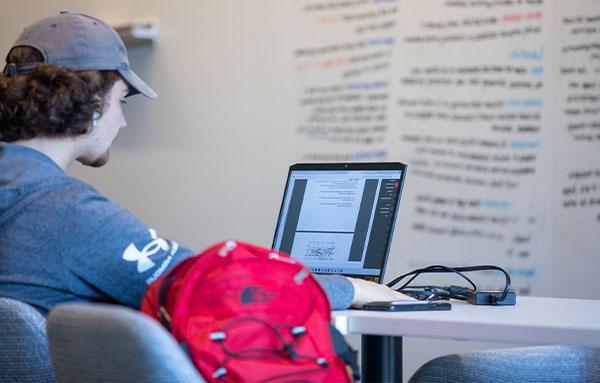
(458,290)
(491,298)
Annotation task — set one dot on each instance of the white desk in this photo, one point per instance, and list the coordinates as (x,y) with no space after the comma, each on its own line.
(532,320)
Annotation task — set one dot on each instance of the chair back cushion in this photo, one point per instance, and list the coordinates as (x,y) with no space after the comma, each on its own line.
(23,344)
(103,343)
(539,364)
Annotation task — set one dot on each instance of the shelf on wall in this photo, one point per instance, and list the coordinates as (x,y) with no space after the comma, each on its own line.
(135,34)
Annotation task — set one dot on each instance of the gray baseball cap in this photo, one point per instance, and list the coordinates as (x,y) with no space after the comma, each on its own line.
(81,43)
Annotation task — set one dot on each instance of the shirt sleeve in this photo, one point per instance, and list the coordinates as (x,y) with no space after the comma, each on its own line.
(109,254)
(339,290)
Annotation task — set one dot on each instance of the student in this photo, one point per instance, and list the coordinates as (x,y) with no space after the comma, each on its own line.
(61,95)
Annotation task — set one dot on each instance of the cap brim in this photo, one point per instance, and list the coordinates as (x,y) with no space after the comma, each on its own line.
(136,84)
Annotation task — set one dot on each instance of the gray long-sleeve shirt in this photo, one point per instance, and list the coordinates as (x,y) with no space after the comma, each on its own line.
(60,240)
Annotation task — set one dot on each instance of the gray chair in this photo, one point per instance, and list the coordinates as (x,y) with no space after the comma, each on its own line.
(103,343)
(543,364)
(23,345)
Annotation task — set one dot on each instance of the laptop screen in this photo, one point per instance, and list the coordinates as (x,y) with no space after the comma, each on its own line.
(339,218)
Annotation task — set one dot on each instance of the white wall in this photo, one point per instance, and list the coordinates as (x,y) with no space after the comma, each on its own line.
(208,159)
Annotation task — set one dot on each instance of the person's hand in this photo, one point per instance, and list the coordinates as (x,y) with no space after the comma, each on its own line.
(366,291)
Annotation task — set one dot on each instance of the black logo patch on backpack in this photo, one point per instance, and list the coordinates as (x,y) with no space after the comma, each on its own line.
(256,294)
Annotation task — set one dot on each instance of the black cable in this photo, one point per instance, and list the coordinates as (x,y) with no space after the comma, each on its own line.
(435,293)
(425,292)
(430,269)
(491,267)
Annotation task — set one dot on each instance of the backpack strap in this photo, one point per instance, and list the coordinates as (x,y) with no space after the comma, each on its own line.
(162,312)
(344,351)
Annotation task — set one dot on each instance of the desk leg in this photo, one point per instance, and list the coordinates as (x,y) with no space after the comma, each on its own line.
(381,358)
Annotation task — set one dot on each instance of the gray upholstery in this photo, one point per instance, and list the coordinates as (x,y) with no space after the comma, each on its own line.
(23,345)
(541,364)
(108,343)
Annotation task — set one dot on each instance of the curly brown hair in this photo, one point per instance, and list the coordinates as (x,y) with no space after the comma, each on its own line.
(50,101)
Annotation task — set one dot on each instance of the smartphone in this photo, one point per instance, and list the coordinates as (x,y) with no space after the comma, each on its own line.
(407,306)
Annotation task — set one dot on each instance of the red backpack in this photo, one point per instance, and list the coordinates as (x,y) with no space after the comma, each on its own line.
(250,314)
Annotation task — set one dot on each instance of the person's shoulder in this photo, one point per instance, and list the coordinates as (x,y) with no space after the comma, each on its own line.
(78,194)
(84,201)
(77,185)
(18,157)
(28,177)
(29,171)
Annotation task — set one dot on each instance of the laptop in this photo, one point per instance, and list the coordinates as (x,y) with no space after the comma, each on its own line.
(338,218)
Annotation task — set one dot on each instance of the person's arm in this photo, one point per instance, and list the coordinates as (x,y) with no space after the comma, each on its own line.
(365,291)
(338,288)
(344,292)
(109,254)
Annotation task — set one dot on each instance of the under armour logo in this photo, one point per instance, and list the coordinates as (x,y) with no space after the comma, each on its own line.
(142,257)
